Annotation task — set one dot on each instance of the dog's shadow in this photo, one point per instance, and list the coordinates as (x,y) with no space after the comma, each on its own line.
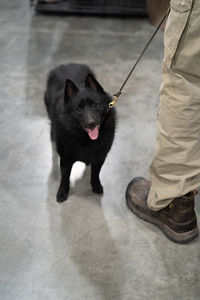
(78,227)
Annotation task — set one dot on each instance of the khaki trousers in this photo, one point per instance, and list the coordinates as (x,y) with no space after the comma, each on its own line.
(175,169)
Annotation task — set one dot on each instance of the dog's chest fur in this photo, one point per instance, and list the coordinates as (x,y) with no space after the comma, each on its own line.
(76,143)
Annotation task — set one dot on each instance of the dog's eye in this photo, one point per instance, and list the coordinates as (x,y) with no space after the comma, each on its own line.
(79,109)
(95,105)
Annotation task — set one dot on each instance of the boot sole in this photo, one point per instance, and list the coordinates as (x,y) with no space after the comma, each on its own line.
(180,238)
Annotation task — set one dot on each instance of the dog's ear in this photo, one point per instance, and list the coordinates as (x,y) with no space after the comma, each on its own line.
(70,89)
(92,83)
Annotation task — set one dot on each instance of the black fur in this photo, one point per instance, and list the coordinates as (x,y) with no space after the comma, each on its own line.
(77,105)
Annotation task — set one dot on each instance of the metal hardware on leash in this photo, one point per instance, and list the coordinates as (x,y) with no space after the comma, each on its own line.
(116,95)
(113,103)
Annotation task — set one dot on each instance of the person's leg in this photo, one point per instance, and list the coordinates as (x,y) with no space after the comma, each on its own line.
(175,169)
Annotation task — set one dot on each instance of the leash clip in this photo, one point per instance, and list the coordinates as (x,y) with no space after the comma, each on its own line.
(113,103)
(115,98)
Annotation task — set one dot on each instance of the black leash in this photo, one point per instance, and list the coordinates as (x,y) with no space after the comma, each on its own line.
(116,96)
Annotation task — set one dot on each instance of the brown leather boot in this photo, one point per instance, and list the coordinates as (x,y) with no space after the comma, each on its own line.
(178,220)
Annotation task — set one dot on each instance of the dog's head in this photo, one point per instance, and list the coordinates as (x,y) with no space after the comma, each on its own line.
(88,105)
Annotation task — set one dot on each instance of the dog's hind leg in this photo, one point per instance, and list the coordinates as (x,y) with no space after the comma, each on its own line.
(55,171)
(55,161)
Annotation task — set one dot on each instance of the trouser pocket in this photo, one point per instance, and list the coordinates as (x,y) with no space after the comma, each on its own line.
(176,24)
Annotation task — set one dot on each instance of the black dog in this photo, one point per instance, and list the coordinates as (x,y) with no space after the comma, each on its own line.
(82,127)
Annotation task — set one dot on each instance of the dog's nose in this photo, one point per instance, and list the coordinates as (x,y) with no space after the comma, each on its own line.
(91,124)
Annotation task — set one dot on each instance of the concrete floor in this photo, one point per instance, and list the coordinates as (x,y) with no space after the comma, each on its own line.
(89,247)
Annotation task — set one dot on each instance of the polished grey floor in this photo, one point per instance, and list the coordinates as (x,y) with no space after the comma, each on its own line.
(89,247)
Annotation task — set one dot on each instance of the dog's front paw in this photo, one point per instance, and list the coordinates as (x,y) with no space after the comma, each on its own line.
(97,188)
(62,195)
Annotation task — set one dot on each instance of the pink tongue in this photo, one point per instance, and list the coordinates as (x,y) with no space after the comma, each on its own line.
(93,133)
